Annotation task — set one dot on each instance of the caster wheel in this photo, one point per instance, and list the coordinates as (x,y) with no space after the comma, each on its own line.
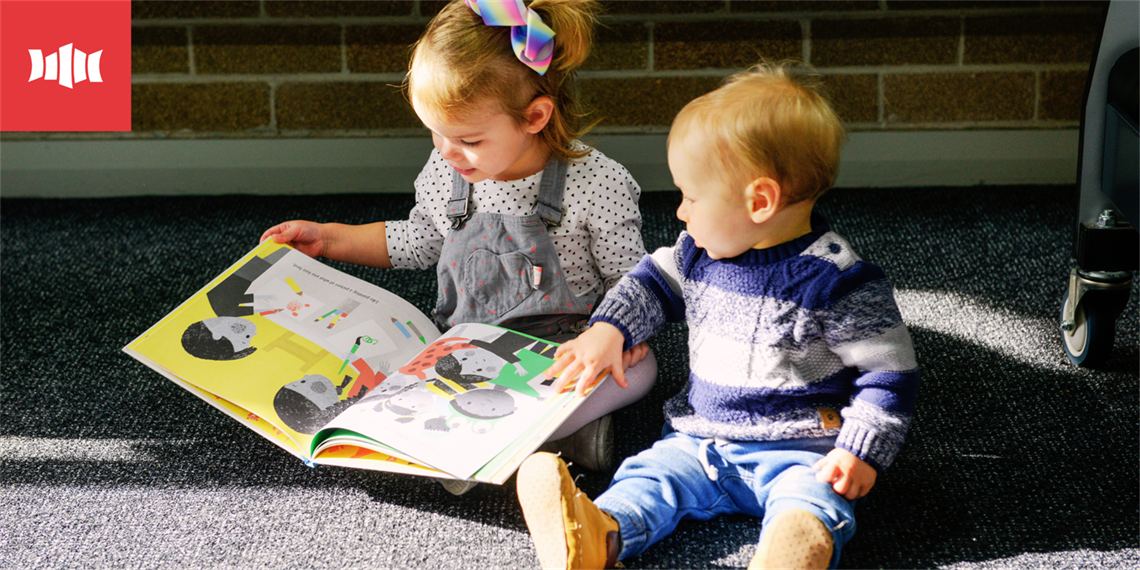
(1091,339)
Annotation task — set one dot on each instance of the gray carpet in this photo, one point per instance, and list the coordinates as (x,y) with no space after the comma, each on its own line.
(1016,458)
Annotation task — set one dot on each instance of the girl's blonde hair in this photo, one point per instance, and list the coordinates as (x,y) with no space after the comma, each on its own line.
(459,63)
(768,122)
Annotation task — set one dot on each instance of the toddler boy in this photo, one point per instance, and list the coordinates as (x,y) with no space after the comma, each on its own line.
(802,375)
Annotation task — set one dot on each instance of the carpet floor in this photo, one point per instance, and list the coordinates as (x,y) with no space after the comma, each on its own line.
(1016,458)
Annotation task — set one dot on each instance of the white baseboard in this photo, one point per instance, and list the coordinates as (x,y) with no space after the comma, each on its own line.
(135,167)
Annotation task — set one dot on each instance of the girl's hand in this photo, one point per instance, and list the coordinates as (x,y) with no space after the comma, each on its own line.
(306,237)
(849,476)
(631,357)
(592,354)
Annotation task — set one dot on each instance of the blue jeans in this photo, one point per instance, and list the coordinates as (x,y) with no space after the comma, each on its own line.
(654,490)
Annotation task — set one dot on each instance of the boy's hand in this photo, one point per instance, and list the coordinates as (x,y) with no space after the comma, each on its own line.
(849,476)
(589,355)
(306,237)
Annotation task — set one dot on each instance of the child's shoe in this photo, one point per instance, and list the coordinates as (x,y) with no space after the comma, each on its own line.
(795,539)
(457,487)
(591,447)
(568,530)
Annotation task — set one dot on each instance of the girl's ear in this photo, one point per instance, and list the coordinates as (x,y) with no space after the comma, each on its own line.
(538,114)
(763,197)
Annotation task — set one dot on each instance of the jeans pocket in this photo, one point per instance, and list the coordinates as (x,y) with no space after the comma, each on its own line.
(499,282)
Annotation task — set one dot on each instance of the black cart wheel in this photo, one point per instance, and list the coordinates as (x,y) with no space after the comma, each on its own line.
(1094,332)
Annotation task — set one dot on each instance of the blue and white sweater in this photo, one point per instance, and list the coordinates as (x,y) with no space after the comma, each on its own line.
(777,338)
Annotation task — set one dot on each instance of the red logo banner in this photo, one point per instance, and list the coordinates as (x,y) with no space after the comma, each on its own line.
(65,65)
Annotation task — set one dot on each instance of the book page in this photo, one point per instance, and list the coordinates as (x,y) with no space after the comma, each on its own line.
(289,339)
(475,392)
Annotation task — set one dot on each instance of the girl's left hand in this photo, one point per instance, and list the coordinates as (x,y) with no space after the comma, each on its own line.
(631,357)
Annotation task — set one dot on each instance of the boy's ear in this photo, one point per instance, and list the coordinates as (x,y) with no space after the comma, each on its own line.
(763,197)
(538,114)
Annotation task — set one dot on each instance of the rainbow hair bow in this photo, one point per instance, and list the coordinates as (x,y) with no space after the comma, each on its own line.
(531,38)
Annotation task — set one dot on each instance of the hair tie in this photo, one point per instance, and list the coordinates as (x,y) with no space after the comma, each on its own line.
(531,38)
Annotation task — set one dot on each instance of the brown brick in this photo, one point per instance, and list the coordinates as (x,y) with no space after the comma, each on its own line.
(1051,38)
(641,101)
(854,97)
(380,49)
(205,107)
(806,6)
(160,50)
(724,44)
(343,105)
(429,8)
(660,7)
(1092,7)
(1062,94)
(956,4)
(154,9)
(619,46)
(889,41)
(337,8)
(267,49)
(958,97)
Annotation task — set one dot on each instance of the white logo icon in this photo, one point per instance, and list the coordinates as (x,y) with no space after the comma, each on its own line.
(66,64)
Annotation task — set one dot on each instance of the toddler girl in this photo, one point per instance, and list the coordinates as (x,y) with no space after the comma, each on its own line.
(527,226)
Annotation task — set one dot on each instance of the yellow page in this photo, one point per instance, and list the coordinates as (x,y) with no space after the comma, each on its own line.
(286,339)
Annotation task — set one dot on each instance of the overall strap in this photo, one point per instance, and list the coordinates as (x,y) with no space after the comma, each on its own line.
(549,206)
(458,207)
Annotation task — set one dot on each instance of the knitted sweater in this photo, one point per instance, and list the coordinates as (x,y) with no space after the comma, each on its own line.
(779,337)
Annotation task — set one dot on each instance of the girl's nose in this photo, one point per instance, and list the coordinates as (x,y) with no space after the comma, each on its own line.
(446,149)
(683,213)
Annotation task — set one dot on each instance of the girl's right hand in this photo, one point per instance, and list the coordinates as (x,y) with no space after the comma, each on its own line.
(306,237)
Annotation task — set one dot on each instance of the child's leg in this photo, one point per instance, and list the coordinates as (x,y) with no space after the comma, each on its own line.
(587,437)
(650,494)
(805,524)
(657,488)
(568,530)
(610,397)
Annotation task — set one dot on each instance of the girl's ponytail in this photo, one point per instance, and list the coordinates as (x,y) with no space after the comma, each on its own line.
(573,22)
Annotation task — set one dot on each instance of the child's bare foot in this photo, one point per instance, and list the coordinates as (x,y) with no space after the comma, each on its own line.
(568,530)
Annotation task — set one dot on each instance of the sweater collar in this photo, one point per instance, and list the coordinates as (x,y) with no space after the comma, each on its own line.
(786,250)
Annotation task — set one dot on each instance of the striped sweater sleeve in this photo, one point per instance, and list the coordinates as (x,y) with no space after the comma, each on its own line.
(647,297)
(861,323)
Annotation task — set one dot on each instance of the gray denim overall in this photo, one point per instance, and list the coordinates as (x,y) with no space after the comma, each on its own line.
(503,270)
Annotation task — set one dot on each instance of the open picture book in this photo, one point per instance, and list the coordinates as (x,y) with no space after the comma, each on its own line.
(338,371)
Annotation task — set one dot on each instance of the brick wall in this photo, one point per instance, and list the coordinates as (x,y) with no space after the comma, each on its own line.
(267,68)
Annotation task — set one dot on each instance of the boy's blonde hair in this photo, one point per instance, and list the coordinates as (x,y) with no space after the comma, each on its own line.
(767,122)
(459,64)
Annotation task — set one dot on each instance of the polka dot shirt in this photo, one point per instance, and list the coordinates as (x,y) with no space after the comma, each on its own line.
(599,239)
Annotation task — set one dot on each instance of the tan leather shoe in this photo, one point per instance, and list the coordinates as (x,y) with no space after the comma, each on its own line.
(568,530)
(795,539)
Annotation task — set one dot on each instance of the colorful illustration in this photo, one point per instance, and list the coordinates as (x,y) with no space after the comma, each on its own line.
(220,338)
(336,370)
(308,404)
(460,400)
